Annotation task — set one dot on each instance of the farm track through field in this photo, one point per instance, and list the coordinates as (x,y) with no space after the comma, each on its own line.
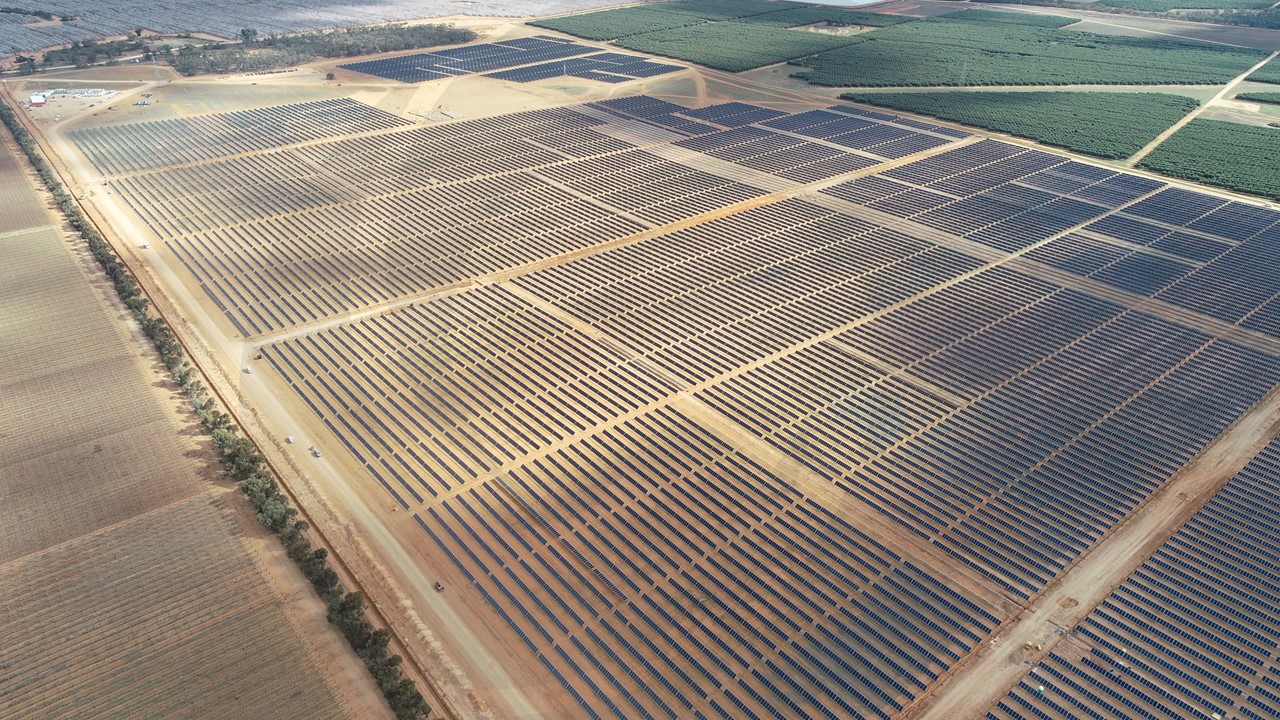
(1226,89)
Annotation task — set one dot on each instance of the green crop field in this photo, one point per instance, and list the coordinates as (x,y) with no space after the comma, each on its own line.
(727,9)
(612,24)
(996,48)
(1272,98)
(1230,155)
(1269,73)
(809,15)
(1168,5)
(727,34)
(1102,124)
(1011,18)
(733,46)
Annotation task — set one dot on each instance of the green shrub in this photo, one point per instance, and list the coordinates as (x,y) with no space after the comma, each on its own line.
(1271,98)
(1269,73)
(276,51)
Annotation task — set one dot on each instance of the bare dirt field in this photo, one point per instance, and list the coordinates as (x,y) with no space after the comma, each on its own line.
(131,586)
(694,409)
(195,605)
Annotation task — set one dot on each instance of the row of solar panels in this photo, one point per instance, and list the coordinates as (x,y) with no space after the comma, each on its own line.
(522,60)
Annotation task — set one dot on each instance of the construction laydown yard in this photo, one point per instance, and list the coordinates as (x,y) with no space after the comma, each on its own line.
(129,585)
(701,408)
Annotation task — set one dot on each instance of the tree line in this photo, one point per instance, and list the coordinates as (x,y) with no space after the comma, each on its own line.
(257,53)
(1111,125)
(254,53)
(239,456)
(42,14)
(83,53)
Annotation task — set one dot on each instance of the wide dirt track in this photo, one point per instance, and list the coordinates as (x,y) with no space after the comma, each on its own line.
(133,580)
(726,411)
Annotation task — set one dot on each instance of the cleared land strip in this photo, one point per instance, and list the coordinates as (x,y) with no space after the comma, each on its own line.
(977,684)
(1258,38)
(1151,146)
(1163,34)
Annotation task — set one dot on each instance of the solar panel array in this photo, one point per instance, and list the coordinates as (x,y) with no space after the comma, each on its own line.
(1196,251)
(787,280)
(699,584)
(995,194)
(535,58)
(610,67)
(165,143)
(555,546)
(315,231)
(1193,632)
(713,441)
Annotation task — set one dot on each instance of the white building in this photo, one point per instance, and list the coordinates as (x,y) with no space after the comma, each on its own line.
(37,100)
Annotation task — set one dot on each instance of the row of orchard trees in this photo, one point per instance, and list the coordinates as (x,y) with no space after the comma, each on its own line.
(256,53)
(240,457)
(1103,124)
(1002,48)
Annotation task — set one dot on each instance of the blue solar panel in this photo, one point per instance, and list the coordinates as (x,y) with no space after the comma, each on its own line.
(1192,247)
(481,58)
(1143,273)
(1237,221)
(607,67)
(1176,206)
